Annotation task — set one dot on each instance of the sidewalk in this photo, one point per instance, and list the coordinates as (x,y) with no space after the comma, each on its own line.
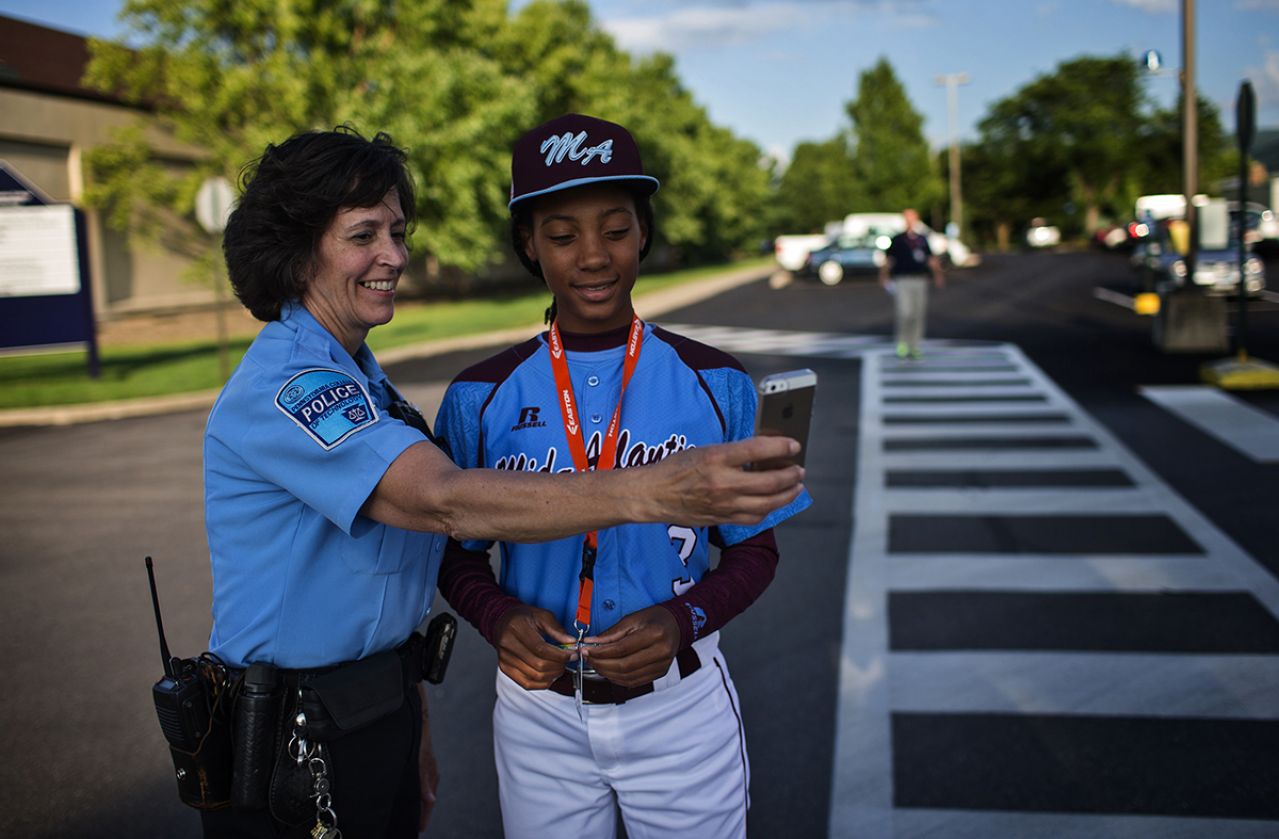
(648,306)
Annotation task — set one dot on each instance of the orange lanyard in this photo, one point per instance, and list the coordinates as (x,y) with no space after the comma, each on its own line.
(577,444)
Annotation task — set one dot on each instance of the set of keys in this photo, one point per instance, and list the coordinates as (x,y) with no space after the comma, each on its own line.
(326,821)
(305,751)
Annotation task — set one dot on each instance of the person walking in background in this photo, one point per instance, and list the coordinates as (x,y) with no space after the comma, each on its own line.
(909,262)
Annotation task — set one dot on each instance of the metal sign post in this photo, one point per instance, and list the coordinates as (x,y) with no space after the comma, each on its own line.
(1242,372)
(1245,128)
(213,204)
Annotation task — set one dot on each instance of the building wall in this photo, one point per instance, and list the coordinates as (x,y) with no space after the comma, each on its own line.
(44,137)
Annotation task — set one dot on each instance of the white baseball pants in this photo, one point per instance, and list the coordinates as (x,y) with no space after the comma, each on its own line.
(673,760)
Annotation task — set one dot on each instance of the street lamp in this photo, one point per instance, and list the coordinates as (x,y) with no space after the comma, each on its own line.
(952,81)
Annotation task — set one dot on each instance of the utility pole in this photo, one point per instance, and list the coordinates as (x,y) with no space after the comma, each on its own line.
(952,81)
(1189,133)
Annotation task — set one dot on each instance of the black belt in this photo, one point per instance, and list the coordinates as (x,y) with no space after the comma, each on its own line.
(604,692)
(350,695)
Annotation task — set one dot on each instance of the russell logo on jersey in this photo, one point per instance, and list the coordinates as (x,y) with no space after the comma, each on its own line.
(529,419)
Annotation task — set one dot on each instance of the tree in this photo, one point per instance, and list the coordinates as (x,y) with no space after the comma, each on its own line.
(230,78)
(891,159)
(1072,137)
(818,186)
(1161,169)
(453,81)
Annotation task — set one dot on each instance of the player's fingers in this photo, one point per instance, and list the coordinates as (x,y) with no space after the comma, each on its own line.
(530,672)
(549,627)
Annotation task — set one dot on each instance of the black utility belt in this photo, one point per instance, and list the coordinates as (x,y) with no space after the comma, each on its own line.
(344,698)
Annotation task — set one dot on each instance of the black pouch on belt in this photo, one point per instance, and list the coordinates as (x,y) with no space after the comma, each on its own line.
(335,703)
(348,698)
(257,716)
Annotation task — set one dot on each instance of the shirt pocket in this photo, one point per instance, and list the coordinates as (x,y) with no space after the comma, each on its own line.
(380,549)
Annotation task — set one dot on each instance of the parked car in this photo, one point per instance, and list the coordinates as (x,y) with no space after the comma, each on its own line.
(848,255)
(1261,224)
(1216,269)
(791,251)
(948,249)
(1113,236)
(1041,234)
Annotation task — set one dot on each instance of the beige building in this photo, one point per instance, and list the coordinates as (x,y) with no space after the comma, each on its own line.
(47,122)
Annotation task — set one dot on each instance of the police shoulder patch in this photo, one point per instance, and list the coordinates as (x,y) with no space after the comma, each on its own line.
(329,405)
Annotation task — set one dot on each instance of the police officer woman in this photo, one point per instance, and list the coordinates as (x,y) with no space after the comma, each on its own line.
(327,512)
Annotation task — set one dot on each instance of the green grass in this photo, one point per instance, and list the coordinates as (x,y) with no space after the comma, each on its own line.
(134,371)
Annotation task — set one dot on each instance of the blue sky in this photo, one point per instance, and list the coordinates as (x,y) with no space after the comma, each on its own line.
(780,71)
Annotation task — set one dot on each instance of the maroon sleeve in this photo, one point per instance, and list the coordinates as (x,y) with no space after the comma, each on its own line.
(468,584)
(744,571)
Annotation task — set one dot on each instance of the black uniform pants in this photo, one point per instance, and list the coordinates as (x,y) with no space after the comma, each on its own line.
(374,774)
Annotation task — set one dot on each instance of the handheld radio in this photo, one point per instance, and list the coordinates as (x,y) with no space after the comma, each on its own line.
(181,700)
(188,701)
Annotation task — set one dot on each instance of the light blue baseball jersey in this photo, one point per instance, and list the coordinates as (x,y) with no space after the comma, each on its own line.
(294,446)
(503,413)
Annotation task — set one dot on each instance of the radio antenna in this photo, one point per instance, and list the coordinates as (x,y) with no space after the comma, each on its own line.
(159,624)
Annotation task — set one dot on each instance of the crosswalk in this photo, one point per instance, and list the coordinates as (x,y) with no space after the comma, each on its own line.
(1041,637)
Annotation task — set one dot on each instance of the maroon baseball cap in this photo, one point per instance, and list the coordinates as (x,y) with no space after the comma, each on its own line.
(575,150)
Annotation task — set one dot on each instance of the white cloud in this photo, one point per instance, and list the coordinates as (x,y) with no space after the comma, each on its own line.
(701,25)
(1265,79)
(731,23)
(1157,7)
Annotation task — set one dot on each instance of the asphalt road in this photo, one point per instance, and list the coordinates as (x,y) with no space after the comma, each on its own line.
(82,755)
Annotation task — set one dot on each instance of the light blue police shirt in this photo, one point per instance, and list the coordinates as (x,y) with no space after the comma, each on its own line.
(294,446)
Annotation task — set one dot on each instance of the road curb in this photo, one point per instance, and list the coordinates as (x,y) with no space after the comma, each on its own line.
(648,306)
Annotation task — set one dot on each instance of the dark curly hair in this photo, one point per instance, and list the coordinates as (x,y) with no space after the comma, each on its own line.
(522,219)
(290,195)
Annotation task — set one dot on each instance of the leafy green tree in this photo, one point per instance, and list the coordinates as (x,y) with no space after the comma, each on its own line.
(453,81)
(1161,169)
(227,79)
(818,186)
(891,159)
(1071,138)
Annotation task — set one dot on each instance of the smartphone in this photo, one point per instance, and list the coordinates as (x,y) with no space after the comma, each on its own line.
(786,409)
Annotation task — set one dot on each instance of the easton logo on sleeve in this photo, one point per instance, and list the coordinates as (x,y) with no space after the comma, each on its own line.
(327,404)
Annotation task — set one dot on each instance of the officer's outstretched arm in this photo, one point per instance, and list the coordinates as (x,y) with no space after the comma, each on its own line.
(423,490)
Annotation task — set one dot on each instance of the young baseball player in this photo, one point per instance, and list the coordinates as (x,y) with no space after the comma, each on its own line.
(611,690)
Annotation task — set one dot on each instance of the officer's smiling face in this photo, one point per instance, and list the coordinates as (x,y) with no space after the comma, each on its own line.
(358,262)
(588,241)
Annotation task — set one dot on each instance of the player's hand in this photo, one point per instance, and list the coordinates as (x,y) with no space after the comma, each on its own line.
(709,485)
(638,649)
(522,650)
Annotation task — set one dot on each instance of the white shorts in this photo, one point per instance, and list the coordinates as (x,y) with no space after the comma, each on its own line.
(673,760)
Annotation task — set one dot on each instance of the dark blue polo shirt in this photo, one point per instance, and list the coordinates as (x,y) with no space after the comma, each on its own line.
(909,252)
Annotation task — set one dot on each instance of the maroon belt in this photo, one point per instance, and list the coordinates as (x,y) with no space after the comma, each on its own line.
(604,692)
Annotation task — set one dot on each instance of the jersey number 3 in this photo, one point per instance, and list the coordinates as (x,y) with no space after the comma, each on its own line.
(685,540)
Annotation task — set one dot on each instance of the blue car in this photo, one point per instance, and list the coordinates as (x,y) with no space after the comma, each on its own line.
(1216,269)
(848,256)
